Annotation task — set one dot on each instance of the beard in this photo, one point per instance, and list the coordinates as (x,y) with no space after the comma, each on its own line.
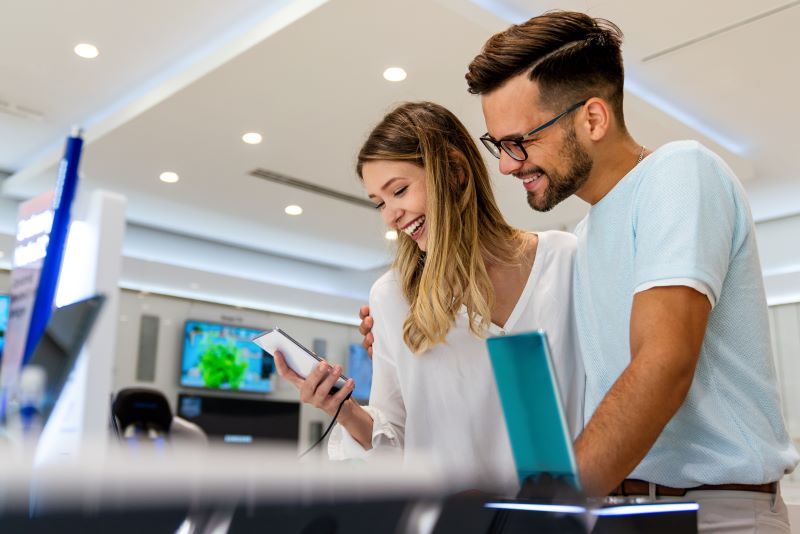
(562,186)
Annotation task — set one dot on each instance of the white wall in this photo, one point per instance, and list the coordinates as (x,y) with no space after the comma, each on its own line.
(173,312)
(779,249)
(785,332)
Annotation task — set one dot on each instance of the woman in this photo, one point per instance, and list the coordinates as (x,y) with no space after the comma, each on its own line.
(461,273)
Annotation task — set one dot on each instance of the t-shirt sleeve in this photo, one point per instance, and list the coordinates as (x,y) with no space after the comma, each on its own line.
(684,220)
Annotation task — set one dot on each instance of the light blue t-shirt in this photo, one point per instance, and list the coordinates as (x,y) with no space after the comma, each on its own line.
(682,214)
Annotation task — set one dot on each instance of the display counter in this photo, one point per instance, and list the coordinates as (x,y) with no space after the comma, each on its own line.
(147,488)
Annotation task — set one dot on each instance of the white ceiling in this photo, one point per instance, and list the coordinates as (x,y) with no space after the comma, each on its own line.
(177,84)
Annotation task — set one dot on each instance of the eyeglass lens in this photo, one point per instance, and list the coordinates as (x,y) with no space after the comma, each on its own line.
(512,148)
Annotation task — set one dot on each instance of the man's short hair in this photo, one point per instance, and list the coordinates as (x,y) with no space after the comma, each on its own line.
(570,55)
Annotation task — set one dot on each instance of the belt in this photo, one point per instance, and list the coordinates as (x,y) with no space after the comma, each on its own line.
(632,486)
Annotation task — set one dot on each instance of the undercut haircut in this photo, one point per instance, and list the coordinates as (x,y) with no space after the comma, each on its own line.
(570,55)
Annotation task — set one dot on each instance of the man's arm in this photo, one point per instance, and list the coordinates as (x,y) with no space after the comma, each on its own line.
(667,329)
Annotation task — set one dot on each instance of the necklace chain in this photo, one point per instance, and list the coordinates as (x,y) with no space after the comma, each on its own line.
(641,155)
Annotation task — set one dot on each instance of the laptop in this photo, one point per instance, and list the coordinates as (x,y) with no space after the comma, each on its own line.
(60,345)
(534,413)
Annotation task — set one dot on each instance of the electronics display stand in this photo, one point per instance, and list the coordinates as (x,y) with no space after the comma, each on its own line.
(92,265)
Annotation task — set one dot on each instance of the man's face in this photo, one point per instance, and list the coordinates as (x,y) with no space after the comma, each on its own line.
(557,165)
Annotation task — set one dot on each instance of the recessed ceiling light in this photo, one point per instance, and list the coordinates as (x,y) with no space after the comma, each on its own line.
(293,210)
(169,177)
(391,235)
(252,138)
(394,74)
(86,51)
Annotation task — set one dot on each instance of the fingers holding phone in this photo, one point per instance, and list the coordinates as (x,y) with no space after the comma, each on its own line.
(285,372)
(318,388)
(327,396)
(320,384)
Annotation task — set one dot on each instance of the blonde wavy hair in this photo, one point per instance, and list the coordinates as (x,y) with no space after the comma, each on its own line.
(465,227)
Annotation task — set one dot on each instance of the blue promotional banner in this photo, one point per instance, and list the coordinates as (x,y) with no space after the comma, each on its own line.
(48,279)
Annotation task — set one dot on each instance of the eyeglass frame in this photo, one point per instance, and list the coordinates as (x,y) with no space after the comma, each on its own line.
(491,144)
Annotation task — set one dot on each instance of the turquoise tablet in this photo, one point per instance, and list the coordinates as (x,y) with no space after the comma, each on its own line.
(532,407)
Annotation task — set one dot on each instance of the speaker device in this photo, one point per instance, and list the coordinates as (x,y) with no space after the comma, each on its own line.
(148,344)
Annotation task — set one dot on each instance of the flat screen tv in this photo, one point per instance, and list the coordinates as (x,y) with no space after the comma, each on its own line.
(5,301)
(242,421)
(359,368)
(222,357)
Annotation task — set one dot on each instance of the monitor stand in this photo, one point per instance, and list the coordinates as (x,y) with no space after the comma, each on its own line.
(546,488)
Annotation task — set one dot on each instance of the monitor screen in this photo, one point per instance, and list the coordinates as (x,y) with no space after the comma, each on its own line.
(242,421)
(5,300)
(359,368)
(222,357)
(60,346)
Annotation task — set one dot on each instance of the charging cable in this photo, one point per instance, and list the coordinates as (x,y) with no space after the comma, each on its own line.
(327,430)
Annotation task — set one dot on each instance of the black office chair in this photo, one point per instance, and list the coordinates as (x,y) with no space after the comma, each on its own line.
(144,414)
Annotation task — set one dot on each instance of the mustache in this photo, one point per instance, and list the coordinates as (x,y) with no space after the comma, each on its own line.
(528,172)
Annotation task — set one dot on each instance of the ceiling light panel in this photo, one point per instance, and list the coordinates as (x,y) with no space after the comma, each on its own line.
(394,74)
(169,177)
(293,209)
(252,138)
(86,50)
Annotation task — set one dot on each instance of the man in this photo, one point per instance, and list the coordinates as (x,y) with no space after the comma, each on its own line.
(681,395)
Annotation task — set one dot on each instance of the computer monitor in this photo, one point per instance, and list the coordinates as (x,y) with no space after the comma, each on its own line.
(222,357)
(5,301)
(359,368)
(60,345)
(237,420)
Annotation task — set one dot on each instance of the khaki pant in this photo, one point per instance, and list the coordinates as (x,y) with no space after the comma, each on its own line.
(738,512)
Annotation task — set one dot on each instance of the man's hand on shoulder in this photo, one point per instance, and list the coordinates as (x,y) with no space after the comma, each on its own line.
(365,328)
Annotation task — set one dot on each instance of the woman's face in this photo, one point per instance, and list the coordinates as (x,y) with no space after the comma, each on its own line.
(398,190)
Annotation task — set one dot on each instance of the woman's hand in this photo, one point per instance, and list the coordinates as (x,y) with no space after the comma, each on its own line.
(315,389)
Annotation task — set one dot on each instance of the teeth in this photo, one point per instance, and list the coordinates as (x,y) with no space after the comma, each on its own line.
(532,178)
(413,227)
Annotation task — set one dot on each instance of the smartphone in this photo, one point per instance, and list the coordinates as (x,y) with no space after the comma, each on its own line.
(299,359)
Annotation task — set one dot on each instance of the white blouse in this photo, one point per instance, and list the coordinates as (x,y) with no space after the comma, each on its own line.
(443,404)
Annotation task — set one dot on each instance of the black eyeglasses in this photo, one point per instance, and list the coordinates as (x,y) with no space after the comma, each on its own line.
(514,147)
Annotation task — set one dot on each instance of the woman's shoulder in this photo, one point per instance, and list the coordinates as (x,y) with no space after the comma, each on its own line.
(387,289)
(555,256)
(387,305)
(556,242)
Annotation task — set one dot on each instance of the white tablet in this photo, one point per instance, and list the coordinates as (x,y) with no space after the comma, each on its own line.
(299,359)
